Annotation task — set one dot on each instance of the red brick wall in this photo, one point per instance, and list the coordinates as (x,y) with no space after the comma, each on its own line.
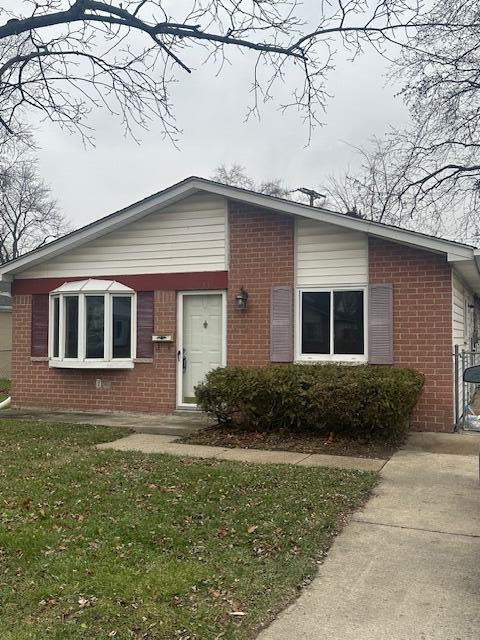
(147,387)
(261,256)
(422,308)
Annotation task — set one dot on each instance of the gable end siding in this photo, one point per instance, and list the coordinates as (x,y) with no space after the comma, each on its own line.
(188,236)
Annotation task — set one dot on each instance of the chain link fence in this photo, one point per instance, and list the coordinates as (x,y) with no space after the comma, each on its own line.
(464,391)
(5,363)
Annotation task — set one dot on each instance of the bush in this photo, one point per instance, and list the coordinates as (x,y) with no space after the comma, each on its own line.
(367,401)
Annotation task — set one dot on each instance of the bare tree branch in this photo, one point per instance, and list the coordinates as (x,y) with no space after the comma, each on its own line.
(64,58)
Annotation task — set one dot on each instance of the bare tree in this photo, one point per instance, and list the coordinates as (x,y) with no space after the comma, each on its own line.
(29,217)
(63,58)
(429,173)
(377,190)
(236,176)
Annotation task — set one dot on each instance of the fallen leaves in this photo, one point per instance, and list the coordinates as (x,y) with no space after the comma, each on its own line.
(139,531)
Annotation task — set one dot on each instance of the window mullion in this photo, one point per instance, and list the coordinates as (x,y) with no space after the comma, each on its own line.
(108,327)
(81,327)
(133,326)
(61,329)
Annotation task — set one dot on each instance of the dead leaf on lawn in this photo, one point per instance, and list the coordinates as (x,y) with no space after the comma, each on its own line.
(223,531)
(252,528)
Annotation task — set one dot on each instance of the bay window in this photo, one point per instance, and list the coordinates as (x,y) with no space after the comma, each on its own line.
(332,324)
(92,325)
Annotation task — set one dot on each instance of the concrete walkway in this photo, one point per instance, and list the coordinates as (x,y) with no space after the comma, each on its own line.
(180,424)
(166,444)
(407,567)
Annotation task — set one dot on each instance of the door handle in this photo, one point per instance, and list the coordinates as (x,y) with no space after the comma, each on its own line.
(181,353)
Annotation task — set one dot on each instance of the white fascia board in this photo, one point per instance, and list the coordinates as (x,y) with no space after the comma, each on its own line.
(469,272)
(403,236)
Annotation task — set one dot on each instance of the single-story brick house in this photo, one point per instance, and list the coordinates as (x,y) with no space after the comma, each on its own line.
(130,312)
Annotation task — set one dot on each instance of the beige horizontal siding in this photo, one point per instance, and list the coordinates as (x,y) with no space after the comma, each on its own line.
(187,236)
(462,332)
(328,256)
(461,294)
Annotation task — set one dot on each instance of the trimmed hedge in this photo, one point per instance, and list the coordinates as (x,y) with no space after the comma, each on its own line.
(368,401)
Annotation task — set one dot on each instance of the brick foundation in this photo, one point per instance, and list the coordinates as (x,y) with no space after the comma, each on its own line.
(261,256)
(422,308)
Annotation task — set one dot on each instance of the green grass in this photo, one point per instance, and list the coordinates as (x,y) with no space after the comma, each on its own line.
(104,544)
(4,388)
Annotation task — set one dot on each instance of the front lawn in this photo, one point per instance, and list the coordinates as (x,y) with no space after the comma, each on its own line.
(105,544)
(4,388)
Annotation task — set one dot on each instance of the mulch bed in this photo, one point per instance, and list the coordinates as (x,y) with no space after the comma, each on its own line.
(301,442)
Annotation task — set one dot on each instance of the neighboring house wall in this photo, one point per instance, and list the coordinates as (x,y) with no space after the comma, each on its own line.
(422,302)
(187,236)
(5,343)
(328,256)
(261,257)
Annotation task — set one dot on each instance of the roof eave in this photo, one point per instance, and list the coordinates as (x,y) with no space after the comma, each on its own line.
(97,229)
(454,251)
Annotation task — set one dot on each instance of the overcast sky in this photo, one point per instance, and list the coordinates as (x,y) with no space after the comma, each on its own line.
(92,182)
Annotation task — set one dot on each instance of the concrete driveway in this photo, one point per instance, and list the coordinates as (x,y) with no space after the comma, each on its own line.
(408,566)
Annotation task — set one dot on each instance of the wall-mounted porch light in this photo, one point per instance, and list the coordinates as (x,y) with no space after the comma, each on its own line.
(241,299)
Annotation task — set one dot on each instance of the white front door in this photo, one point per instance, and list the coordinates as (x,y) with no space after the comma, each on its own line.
(201,343)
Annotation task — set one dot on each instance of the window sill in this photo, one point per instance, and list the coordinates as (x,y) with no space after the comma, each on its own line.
(98,364)
(335,359)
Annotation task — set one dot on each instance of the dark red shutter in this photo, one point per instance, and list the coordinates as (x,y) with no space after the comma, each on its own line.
(39,325)
(144,324)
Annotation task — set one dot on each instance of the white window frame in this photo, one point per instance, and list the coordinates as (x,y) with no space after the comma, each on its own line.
(330,357)
(82,362)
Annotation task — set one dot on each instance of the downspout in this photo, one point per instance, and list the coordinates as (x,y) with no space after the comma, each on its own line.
(6,403)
